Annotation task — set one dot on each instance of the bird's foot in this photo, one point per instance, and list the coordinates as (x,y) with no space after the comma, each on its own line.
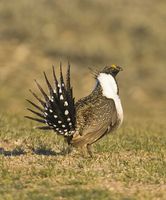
(89,150)
(67,150)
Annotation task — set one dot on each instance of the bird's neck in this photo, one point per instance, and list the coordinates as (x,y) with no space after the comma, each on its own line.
(98,88)
(106,85)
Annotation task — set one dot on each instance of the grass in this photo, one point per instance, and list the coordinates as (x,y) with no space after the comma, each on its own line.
(128,165)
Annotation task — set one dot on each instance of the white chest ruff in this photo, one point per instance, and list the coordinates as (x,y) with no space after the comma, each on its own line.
(110,89)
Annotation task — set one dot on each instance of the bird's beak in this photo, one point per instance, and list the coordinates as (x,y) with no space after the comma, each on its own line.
(120,68)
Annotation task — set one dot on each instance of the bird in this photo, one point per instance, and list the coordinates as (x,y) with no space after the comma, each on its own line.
(86,121)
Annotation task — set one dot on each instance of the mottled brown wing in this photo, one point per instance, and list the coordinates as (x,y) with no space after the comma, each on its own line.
(93,121)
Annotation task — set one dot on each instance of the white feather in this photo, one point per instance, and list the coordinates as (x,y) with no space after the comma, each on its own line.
(61,97)
(110,90)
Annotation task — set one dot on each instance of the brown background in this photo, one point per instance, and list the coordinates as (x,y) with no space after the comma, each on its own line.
(36,34)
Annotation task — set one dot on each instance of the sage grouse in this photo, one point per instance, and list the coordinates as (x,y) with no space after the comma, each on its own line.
(90,118)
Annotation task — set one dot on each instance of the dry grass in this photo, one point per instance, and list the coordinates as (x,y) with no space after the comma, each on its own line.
(127,165)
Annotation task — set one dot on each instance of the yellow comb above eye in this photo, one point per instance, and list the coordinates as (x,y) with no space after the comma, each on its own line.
(113,66)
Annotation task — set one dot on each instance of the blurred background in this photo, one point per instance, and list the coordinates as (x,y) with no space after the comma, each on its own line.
(131,33)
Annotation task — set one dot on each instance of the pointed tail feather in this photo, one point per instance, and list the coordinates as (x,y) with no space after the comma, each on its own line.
(41,101)
(70,98)
(58,110)
(42,91)
(36,106)
(61,76)
(68,77)
(55,81)
(43,127)
(49,85)
(35,119)
(36,113)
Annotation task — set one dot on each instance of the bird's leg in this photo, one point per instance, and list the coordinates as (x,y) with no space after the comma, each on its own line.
(86,150)
(89,150)
(68,149)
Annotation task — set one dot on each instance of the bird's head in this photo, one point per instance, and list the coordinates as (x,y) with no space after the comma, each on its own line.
(109,70)
(113,70)
(106,79)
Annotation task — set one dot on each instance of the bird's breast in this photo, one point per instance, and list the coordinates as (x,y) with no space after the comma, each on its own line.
(110,91)
(119,109)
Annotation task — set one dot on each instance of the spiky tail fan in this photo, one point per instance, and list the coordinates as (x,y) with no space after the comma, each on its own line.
(57,110)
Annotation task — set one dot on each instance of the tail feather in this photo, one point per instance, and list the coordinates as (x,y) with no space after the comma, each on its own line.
(36,113)
(55,81)
(42,91)
(70,98)
(58,110)
(36,106)
(41,101)
(49,85)
(61,76)
(36,119)
(68,77)
(44,127)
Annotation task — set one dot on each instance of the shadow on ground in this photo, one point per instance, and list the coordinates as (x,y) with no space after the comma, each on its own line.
(19,152)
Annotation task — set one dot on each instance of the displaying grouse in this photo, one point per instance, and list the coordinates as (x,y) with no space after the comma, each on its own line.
(90,118)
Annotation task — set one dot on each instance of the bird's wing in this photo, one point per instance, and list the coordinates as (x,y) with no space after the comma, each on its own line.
(58,108)
(97,121)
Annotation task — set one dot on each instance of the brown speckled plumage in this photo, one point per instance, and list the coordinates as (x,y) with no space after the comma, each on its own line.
(95,115)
